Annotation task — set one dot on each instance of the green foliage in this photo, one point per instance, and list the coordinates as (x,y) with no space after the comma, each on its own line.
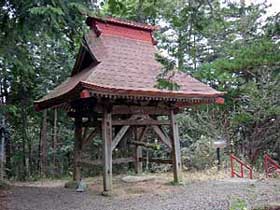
(200,154)
(46,10)
(39,41)
(239,204)
(139,10)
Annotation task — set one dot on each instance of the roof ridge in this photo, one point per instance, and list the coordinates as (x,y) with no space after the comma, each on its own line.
(125,22)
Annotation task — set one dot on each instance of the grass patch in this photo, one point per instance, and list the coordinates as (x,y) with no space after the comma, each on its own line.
(238,204)
(269,207)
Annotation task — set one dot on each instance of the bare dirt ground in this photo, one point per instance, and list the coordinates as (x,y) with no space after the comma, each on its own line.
(200,191)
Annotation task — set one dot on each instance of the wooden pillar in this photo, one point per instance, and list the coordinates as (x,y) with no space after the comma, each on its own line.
(176,153)
(138,152)
(107,150)
(77,149)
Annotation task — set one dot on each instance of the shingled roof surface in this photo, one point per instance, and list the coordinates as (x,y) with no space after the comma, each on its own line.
(126,67)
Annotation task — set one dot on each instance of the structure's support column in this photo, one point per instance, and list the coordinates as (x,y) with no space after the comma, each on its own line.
(77,149)
(107,150)
(138,163)
(138,152)
(176,153)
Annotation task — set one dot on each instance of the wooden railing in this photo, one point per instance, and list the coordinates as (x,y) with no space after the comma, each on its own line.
(270,166)
(242,165)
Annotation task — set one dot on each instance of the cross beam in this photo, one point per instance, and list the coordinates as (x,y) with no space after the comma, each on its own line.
(141,121)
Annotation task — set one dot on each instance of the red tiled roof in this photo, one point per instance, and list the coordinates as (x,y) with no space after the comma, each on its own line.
(127,68)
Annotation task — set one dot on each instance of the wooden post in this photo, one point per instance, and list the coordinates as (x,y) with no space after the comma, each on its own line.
(107,151)
(176,153)
(77,149)
(138,152)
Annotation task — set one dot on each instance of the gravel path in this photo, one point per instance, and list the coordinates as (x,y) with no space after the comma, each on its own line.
(151,195)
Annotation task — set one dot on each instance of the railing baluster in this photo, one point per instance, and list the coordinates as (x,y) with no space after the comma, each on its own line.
(242,165)
(270,163)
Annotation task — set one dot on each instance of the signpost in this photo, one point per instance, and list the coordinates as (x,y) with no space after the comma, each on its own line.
(218,145)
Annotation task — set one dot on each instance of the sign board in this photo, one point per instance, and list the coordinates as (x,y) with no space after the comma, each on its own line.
(220,144)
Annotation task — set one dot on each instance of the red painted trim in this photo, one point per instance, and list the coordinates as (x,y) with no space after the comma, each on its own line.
(122,28)
(219,100)
(84,94)
(270,166)
(127,23)
(152,93)
(242,166)
(121,31)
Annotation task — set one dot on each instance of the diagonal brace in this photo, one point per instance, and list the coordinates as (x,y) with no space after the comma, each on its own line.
(163,137)
(119,136)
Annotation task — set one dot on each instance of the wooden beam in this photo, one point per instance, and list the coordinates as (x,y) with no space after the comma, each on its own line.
(100,162)
(74,114)
(134,109)
(129,110)
(141,121)
(107,150)
(156,160)
(119,136)
(162,136)
(176,152)
(91,123)
(144,144)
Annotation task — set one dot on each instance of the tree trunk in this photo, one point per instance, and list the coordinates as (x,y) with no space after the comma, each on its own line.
(25,163)
(180,52)
(139,11)
(54,141)
(2,150)
(43,145)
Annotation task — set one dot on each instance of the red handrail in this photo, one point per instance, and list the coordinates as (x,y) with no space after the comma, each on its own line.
(270,166)
(242,166)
